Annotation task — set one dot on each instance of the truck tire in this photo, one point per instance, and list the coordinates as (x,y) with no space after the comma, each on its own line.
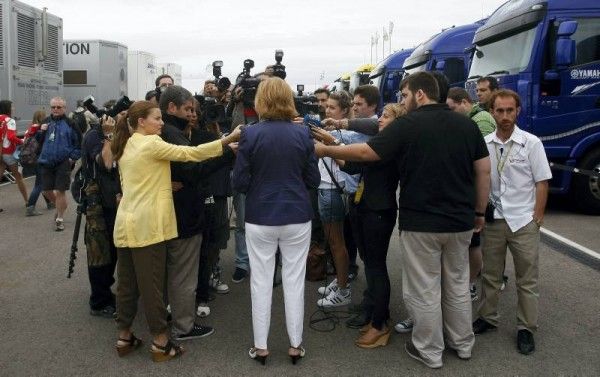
(585,191)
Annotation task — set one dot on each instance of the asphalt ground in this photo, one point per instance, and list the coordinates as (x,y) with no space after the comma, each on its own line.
(47,330)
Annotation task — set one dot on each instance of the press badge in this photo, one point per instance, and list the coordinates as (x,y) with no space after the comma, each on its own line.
(359,191)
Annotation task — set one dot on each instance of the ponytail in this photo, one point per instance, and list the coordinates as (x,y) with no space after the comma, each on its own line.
(128,124)
(122,134)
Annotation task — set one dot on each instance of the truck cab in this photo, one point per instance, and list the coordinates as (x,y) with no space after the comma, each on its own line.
(549,53)
(388,74)
(445,52)
(341,83)
(360,76)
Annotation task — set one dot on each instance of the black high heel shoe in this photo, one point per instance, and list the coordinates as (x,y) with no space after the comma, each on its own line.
(255,356)
(298,356)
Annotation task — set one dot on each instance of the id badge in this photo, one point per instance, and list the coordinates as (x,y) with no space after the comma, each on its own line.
(359,191)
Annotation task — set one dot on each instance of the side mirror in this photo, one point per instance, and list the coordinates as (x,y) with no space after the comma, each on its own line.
(565,46)
(439,66)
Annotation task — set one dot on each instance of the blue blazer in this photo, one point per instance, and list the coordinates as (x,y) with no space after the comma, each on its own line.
(275,166)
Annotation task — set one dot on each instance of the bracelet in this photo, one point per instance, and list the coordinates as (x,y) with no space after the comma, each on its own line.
(479,214)
(336,142)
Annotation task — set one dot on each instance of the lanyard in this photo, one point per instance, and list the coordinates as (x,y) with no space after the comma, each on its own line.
(502,161)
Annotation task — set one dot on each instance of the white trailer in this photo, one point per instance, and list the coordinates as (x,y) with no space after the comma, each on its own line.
(30,58)
(94,67)
(141,73)
(171,69)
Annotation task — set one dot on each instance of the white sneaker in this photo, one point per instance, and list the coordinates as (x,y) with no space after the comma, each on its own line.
(203,310)
(336,298)
(405,325)
(216,284)
(324,291)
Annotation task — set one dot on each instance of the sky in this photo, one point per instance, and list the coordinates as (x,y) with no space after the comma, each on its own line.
(320,39)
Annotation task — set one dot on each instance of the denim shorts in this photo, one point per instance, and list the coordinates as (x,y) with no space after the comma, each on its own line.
(332,208)
(9,160)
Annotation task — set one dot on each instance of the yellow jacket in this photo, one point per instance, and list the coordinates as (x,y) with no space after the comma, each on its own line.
(146,214)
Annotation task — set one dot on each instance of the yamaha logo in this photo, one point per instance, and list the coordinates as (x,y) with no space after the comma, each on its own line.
(580,74)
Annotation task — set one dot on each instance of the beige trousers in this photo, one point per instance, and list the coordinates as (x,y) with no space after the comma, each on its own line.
(183,259)
(524,247)
(435,288)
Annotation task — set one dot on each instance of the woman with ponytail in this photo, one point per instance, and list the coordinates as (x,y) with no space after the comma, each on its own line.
(146,219)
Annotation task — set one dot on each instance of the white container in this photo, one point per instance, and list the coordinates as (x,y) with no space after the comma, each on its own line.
(141,74)
(30,59)
(94,67)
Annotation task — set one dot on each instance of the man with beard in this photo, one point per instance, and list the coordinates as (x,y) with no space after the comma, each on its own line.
(444,168)
(518,196)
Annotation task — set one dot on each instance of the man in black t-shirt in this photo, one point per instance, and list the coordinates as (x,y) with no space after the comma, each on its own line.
(444,168)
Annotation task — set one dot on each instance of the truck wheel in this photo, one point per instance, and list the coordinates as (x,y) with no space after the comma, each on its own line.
(585,191)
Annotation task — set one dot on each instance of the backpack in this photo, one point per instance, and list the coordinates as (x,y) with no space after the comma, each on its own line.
(79,183)
(316,263)
(80,179)
(30,151)
(80,121)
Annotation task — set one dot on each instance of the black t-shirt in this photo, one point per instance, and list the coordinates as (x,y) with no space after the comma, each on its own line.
(434,149)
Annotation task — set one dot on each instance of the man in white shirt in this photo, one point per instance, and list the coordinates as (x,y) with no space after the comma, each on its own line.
(519,190)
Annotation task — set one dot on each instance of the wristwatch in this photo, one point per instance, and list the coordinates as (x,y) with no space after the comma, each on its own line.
(108,137)
(336,142)
(479,214)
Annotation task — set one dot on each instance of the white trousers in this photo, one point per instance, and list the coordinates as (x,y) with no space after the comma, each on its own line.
(262,241)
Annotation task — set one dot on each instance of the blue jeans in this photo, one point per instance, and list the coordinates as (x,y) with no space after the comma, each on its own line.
(241,253)
(37,188)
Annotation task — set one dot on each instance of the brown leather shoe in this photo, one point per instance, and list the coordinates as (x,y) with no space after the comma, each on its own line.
(374,338)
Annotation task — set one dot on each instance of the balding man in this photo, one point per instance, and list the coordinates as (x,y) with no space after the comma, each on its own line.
(61,148)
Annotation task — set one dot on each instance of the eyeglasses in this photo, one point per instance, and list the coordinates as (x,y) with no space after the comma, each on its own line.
(56,107)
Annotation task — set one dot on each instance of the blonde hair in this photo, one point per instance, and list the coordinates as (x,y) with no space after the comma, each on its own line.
(395,109)
(275,100)
(38,117)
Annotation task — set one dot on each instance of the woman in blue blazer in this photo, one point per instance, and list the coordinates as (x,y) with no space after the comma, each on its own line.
(275,166)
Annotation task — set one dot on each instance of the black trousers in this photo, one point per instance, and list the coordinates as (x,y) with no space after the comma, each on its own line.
(102,277)
(373,232)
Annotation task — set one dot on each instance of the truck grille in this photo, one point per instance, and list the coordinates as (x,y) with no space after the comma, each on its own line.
(51,63)
(25,41)
(1,34)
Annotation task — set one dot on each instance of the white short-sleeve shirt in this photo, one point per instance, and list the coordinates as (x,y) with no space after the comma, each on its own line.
(517,165)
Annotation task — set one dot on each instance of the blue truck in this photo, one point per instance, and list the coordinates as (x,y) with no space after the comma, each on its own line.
(549,53)
(388,74)
(445,52)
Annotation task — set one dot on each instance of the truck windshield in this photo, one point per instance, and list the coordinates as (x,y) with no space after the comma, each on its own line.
(509,55)
(377,80)
(419,68)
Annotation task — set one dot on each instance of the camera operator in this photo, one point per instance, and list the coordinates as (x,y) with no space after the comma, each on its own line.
(215,189)
(176,105)
(241,116)
(102,193)
(322,95)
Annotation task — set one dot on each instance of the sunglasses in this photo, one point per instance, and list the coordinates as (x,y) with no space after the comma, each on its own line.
(56,107)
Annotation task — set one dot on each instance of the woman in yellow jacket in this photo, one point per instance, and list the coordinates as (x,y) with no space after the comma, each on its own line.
(146,219)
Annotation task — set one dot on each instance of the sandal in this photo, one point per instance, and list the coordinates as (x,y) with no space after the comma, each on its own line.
(163,353)
(298,356)
(129,345)
(253,353)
